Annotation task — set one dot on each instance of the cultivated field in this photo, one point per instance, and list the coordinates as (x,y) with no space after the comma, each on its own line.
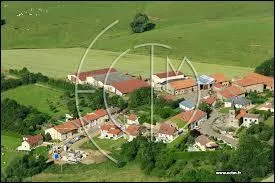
(39,97)
(59,62)
(226,33)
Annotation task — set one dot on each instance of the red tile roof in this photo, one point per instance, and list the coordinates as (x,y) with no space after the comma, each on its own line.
(241,114)
(32,140)
(132,117)
(231,91)
(181,84)
(218,85)
(84,75)
(95,115)
(167,128)
(187,115)
(219,77)
(210,100)
(100,112)
(168,97)
(65,127)
(110,128)
(168,74)
(132,130)
(247,82)
(255,78)
(205,141)
(129,86)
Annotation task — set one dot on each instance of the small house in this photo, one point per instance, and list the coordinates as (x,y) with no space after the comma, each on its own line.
(267,106)
(30,142)
(167,132)
(205,82)
(210,100)
(131,132)
(194,118)
(132,119)
(238,101)
(204,143)
(186,105)
(250,119)
(110,131)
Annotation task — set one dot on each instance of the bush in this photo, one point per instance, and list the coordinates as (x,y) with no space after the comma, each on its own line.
(141,23)
(266,68)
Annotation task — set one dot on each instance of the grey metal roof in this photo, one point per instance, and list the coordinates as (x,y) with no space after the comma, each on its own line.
(112,77)
(239,101)
(187,103)
(203,80)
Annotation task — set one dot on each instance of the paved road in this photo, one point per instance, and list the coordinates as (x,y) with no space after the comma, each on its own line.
(206,128)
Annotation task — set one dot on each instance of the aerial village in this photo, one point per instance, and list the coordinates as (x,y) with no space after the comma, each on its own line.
(230,111)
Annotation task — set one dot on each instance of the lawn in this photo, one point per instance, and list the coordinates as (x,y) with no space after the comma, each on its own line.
(270,121)
(104,172)
(39,97)
(226,33)
(105,144)
(225,110)
(10,141)
(177,121)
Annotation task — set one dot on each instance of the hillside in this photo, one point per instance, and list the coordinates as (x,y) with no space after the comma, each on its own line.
(226,33)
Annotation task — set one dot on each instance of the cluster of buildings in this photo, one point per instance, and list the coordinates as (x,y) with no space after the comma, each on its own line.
(110,80)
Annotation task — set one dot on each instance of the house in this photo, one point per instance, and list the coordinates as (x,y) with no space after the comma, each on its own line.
(219,78)
(250,119)
(267,106)
(30,142)
(181,86)
(193,118)
(167,132)
(218,87)
(125,87)
(267,81)
(160,79)
(249,84)
(235,118)
(210,100)
(87,76)
(229,92)
(205,82)
(239,102)
(109,130)
(131,132)
(97,117)
(204,143)
(132,119)
(186,105)
(64,130)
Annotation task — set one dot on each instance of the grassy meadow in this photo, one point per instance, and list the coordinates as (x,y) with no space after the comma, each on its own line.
(39,97)
(10,141)
(224,33)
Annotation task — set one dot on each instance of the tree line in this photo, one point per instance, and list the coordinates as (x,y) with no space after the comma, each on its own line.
(21,119)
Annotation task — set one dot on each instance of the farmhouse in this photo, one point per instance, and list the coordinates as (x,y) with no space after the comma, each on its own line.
(30,142)
(219,78)
(229,92)
(217,87)
(250,119)
(125,87)
(210,100)
(161,78)
(132,119)
(87,76)
(235,118)
(204,143)
(131,132)
(167,132)
(239,102)
(97,117)
(267,106)
(249,84)
(110,131)
(186,105)
(194,118)
(181,86)
(205,82)
(268,82)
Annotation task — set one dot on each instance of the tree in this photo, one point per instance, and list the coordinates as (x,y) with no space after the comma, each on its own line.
(206,108)
(47,137)
(3,22)
(140,97)
(266,68)
(141,23)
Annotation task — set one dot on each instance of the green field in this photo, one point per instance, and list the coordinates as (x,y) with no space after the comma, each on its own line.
(103,172)
(37,96)
(10,141)
(226,33)
(270,121)
(105,144)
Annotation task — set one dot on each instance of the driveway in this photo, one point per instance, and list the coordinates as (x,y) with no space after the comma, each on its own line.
(206,128)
